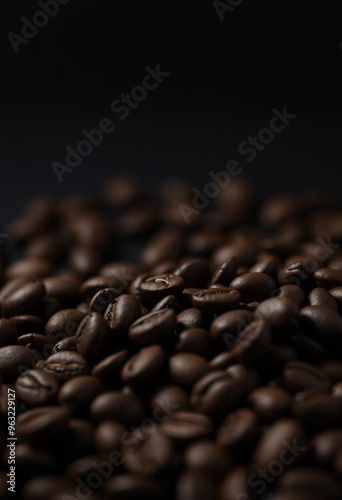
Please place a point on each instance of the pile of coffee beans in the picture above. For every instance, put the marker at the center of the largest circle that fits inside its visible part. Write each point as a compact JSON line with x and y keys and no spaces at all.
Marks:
{"x":156,"y":356}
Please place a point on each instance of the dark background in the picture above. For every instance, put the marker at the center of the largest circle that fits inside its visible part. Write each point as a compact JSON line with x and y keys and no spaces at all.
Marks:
{"x":225,"y":79}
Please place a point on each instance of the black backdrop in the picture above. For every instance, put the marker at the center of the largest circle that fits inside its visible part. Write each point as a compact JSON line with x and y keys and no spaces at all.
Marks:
{"x":225,"y":79}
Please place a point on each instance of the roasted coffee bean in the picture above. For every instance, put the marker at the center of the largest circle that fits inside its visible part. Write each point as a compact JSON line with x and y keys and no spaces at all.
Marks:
{"x":321,"y":297}
{"x":270,"y":403}
{"x":187,"y":368}
{"x":67,"y":344}
{"x":121,"y":313}
{"x":114,"y":405}
{"x":322,"y":323}
{"x":238,"y":430}
{"x":66,"y":365}
{"x":167,"y":399}
{"x":317,"y":410}
{"x":168,"y":302}
{"x":64,"y":287}
{"x":15,"y":359}
{"x":282,"y":315}
{"x":84,"y":262}
{"x":337,"y":294}
{"x":78,"y":392}
{"x":102,"y":299}
{"x":299,"y":376}
{"x":29,"y":268}
{"x":144,"y":367}
{"x":278,"y":441}
{"x":63,"y":324}
{"x":197,"y":341}
{"x":27,"y":323}
{"x":216,"y":300}
{"x":332,"y":368}
{"x":299,"y":272}
{"x":267,"y":265}
{"x":165,"y":245}
{"x":24,"y":299}
{"x":158,"y":287}
{"x":108,"y":436}
{"x":132,"y":486}
{"x":254,"y":286}
{"x":190,"y":318}
{"x":337,"y":389}
{"x":292,"y":292}
{"x":156,"y":327}
{"x":192,"y":485}
{"x":97,"y":283}
{"x":37,"y":387}
{"x":8,"y":332}
{"x":216,"y":393}
{"x":187,"y":426}
{"x":194,"y":272}
{"x":225,"y":273}
{"x":253,"y":341}
{"x":42,"y":487}
{"x":326,"y":446}
{"x":226,"y":327}
{"x":109,"y":367}
{"x":317,"y":483}
{"x":328,"y":278}
{"x":40,"y":423}
{"x":235,"y":483}
{"x":91,"y":335}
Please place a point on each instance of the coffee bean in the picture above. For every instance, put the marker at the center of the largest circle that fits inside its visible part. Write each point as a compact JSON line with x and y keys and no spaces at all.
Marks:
{"x":121,"y":313}
{"x":225,"y":273}
{"x":158,"y":287}
{"x":40,"y":423}
{"x":253,"y":286}
{"x":282,"y":315}
{"x":78,"y":392}
{"x":63,"y":324}
{"x":15,"y":359}
{"x":67,"y":344}
{"x":337,"y":294}
{"x":299,"y":376}
{"x":27,"y":323}
{"x":114,"y":405}
{"x":131,"y":486}
{"x":167,"y":399}
{"x":155,"y":327}
{"x":317,"y":483}
{"x":322,"y":323}
{"x":109,"y":367}
{"x":326,"y":446}
{"x":187,"y":368}
{"x":194,"y":272}
{"x":270,"y":403}
{"x":108,"y":436}
{"x":66,"y":365}
{"x":267,"y":265}
{"x":144,"y":366}
{"x":42,"y":487}
{"x":97,"y":283}
{"x":321,"y":297}
{"x":91,"y":335}
{"x":253,"y":341}
{"x":165,"y":245}
{"x":190,"y":318}
{"x":102,"y":299}
{"x":24,"y":299}
{"x":327,"y":278}
{"x":197,"y":341}
{"x":292,"y":292}
{"x":29,"y":268}
{"x":36,"y":387}
{"x":64,"y":287}
{"x":187,"y":426}
{"x":317,"y":410}
{"x":84,"y":262}
{"x":226,"y":327}
{"x":192,"y":485}
{"x":236,"y":483}
{"x":238,"y":430}
{"x":168,"y":302}
{"x":216,"y":301}
{"x":8,"y":332}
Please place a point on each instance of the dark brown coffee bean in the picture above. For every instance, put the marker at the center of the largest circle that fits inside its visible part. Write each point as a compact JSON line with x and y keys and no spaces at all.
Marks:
{"x":322,"y":323}
{"x":254,"y":286}
{"x":268,"y":265}
{"x":328,"y":278}
{"x":282,"y":315}
{"x":168,"y":302}
{"x":194,"y":272}
{"x":326,"y":446}
{"x":40,"y":423}
{"x":121,"y":313}
{"x":144,"y":366}
{"x":42,"y":487}
{"x":36,"y":387}
{"x":158,"y":287}
{"x":299,"y":376}
{"x":64,"y":287}
{"x":187,"y":426}
{"x":247,"y":377}
{"x":84,"y":262}
{"x":321,"y":297}
{"x":97,"y":283}
{"x":78,"y":392}
{"x":152,"y":328}
{"x":236,"y":483}
{"x":238,"y":430}
{"x":292,"y":292}
{"x":165,"y":245}
{"x":168,"y":399}
{"x":108,"y":436}
{"x":110,"y":367}
{"x":192,"y":485}
{"x":270,"y":403}
{"x":24,"y":299}
{"x":187,"y":368}
{"x":63,"y":324}
{"x":196,"y":340}
{"x":317,"y":410}
{"x":190,"y":318}
{"x":225,"y":273}
{"x":27,"y":323}
{"x":8,"y":332}
{"x":216,"y":393}
{"x":216,"y":300}
{"x":317,"y":483}
{"x":15,"y":359}
{"x":226,"y":327}
{"x":149,"y":454}
{"x":114,"y":405}
{"x":102,"y":299}
{"x":222,"y":361}
{"x":133,"y":486}
{"x":91,"y":335}
{"x":66,"y":365}
{"x":284,"y":438}
{"x":337,"y":390}
{"x":32,"y":268}
{"x":253,"y":341}
{"x":337,"y":294}
{"x":67,"y":344}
